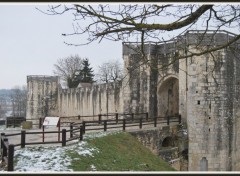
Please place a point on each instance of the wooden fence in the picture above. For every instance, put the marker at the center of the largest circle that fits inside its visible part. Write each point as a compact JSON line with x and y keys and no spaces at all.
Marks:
{"x":2,"y":122}
{"x":110,"y":116}
{"x":14,"y":121}
{"x":7,"y":150}
{"x":17,"y":121}
{"x":77,"y":130}
{"x":124,"y":124}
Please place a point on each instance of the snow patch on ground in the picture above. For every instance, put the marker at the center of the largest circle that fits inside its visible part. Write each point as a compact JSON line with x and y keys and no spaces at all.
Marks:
{"x":3,"y":128}
{"x":42,"y":159}
{"x":99,"y":134}
{"x":54,"y":158}
{"x":93,"y":168}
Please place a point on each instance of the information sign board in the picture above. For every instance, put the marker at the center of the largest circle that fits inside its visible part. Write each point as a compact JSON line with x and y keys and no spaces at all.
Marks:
{"x":51,"y":121}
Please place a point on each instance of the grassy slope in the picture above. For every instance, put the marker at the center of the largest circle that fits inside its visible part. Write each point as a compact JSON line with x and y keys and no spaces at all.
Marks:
{"x":119,"y":152}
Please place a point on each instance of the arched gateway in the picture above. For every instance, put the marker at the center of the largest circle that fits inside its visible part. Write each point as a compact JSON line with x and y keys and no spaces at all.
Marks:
{"x":168,"y":97}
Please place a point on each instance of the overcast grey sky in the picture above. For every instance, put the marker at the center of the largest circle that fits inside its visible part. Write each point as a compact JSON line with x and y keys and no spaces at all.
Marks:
{"x":31,"y":43}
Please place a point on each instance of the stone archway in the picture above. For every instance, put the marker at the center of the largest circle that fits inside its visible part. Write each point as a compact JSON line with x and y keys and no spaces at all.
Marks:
{"x":168,"y":97}
{"x":168,"y":142}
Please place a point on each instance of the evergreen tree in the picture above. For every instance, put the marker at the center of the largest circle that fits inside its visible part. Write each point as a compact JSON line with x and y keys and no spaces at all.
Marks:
{"x":86,"y":73}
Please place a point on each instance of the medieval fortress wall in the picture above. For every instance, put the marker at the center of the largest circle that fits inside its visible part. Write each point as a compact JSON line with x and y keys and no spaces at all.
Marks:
{"x":204,"y":89}
{"x":47,"y":98}
{"x":93,"y":100}
{"x":212,"y":93}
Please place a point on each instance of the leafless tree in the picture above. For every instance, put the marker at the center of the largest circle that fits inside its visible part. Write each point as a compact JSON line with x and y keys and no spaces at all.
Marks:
{"x":2,"y":112}
{"x":110,"y":71}
{"x":19,"y":101}
{"x":68,"y":68}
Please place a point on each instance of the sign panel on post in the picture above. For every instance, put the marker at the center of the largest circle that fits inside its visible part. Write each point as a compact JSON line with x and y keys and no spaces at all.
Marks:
{"x":51,"y":121}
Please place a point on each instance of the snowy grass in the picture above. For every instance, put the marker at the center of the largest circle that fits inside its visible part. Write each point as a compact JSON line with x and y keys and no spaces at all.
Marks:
{"x":4,"y":128}
{"x":41,"y":159}
{"x":54,"y":158}
{"x":92,"y":154}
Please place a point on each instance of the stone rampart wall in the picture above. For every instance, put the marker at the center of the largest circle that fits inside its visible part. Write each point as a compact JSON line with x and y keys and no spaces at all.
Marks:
{"x":92,"y":100}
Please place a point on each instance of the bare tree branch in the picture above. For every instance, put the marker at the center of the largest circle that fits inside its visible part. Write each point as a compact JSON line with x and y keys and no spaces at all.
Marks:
{"x":148,"y":22}
{"x":110,"y":71}
{"x":67,"y":68}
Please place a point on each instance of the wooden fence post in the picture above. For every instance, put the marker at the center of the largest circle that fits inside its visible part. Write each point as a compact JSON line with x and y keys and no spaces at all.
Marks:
{"x":155,"y":121}
{"x":99,"y":118}
{"x":6,"y":122}
{"x":14,"y":121}
{"x":147,"y":116}
{"x":2,"y":134}
{"x":59,"y":126}
{"x":116,"y":117}
{"x":84,"y":127}
{"x":4,"y":153}
{"x":81,"y":133}
{"x":168,"y":120}
{"x":10,"y":157}
{"x":105,"y":125}
{"x":43,"y":136}
{"x":40,"y":123}
{"x":140,"y":123}
{"x":124,"y":124}
{"x":179,"y":119}
{"x":42,"y":120}
{"x":71,"y":130}
{"x":132,"y":116}
{"x":23,"y":138}
{"x":63,"y":137}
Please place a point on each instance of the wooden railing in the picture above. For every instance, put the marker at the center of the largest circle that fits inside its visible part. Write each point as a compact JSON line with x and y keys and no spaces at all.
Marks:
{"x":17,"y":121}
{"x":7,"y":150}
{"x":125,"y":123}
{"x":77,"y":130}
{"x":99,"y":117}
{"x":14,"y":121}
